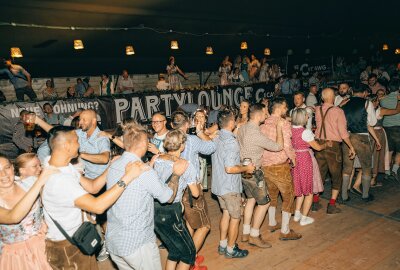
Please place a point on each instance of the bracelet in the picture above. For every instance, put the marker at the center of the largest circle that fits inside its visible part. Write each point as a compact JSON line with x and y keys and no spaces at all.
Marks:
{"x":112,"y":137}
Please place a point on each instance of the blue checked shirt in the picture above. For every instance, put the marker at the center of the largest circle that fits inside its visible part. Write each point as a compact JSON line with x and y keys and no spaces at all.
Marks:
{"x":130,"y":221}
{"x":93,"y":145}
{"x":194,"y":147}
{"x":164,"y":169}
{"x":226,"y":155}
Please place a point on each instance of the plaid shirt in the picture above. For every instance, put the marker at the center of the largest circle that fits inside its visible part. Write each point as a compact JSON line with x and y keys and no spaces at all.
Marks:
{"x":130,"y":221}
{"x":253,"y":143}
{"x":269,"y":130}
{"x":95,"y":144}
{"x":194,"y":147}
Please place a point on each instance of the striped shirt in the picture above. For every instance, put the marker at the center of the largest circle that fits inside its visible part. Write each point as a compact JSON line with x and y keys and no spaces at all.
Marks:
{"x":95,"y":144}
{"x":253,"y":143}
{"x":194,"y":147}
{"x":164,"y":169}
{"x":130,"y":221}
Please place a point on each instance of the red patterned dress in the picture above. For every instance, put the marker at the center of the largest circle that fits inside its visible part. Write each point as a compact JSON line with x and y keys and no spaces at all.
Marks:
{"x":302,"y":173}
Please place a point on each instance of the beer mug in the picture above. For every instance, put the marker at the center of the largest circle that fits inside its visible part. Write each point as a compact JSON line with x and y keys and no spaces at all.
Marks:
{"x":247,"y":161}
{"x":29,"y":121}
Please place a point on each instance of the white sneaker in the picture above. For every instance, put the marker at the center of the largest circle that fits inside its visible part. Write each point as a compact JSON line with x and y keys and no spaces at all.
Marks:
{"x":297,"y":216}
{"x":306,"y":220}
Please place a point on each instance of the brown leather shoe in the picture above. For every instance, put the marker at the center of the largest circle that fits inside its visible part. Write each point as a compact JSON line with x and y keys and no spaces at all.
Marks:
{"x":332,"y":209}
{"x":274,"y":228}
{"x":292,"y":235}
{"x":245,"y":237}
{"x":259,"y":242}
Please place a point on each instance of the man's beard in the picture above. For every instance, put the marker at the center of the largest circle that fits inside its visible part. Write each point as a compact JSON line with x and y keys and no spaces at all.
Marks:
{"x":342,"y":94}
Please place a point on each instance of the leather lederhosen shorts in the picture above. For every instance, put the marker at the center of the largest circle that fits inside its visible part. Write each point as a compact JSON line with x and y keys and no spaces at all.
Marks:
{"x":196,"y":210}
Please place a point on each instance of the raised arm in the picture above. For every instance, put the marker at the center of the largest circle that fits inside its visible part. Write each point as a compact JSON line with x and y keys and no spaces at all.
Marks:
{"x":21,"y":209}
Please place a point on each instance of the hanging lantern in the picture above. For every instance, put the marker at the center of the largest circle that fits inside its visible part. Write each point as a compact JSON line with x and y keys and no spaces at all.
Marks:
{"x":397,"y":51}
{"x":78,"y":44}
{"x":129,"y":50}
{"x":209,"y":50}
{"x":267,"y":51}
{"x":290,"y":52}
{"x":243,"y":45}
{"x":174,"y":45}
{"x":16,"y":52}
{"x":385,"y":47}
{"x":307,"y":51}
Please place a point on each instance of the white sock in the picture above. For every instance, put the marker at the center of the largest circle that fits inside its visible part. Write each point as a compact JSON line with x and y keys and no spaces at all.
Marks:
{"x":254,"y":232}
{"x":395,"y":168}
{"x":246,"y":228}
{"x":297,"y":213}
{"x":223,"y":243}
{"x":271,"y":216}
{"x":285,"y":222}
{"x":230,"y":249}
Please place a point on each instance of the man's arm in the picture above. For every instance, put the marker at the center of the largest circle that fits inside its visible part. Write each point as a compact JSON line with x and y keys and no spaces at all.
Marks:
{"x":93,"y":186}
{"x":98,"y":205}
{"x":205,"y":147}
{"x":43,"y":124}
{"x":101,"y":158}
{"x":352,"y":152}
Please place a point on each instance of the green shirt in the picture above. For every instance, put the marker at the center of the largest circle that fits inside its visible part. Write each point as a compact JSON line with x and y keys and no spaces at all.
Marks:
{"x":390,"y":102}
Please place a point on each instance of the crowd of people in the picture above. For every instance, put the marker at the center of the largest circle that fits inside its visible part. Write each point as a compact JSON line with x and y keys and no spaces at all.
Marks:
{"x":140,"y":184}
{"x":243,"y":69}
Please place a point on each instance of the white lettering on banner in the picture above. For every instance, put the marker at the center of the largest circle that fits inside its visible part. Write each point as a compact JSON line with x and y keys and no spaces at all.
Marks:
{"x":121,"y":105}
{"x":227,"y":96}
{"x":137,"y":108}
{"x":236,"y":99}
{"x":258,"y":93}
{"x":206,"y":97}
{"x":215,"y":100}
{"x":247,"y":92}
{"x":190,"y":97}
{"x":167,"y":99}
{"x":152,"y":103}
{"x":180,"y":100}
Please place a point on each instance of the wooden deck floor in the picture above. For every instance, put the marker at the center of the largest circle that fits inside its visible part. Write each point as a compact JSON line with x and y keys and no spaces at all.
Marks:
{"x":363,"y":236}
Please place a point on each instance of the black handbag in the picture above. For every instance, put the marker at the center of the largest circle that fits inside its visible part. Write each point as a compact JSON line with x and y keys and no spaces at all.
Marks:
{"x":86,"y":238}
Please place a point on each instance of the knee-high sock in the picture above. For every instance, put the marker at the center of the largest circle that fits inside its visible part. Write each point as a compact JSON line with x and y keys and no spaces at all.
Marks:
{"x":285,"y":222}
{"x":345,"y":184}
{"x":271,"y":215}
{"x":366,"y":183}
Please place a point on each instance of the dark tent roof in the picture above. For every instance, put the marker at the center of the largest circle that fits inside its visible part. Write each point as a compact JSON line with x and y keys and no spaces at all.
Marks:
{"x":326,"y":27}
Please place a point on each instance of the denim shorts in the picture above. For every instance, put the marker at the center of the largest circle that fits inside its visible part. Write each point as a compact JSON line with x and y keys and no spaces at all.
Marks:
{"x":172,"y":231}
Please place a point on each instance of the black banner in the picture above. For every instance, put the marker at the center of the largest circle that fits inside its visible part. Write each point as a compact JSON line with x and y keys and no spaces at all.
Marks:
{"x":140,"y":106}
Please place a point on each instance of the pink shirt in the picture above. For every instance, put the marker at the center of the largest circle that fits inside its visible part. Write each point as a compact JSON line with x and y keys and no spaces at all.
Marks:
{"x":335,"y":123}
{"x":269,"y":129}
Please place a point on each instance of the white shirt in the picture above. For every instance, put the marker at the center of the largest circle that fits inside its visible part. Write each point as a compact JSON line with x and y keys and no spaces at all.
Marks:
{"x":311,"y":100}
{"x":158,"y":141}
{"x":371,"y":114}
{"x":59,"y":195}
{"x":122,"y":82}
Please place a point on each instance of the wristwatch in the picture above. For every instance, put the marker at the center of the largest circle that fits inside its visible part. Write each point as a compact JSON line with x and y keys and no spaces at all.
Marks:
{"x":121,"y":183}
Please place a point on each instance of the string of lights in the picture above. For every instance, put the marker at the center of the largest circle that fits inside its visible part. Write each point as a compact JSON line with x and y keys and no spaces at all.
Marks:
{"x":166,"y":31}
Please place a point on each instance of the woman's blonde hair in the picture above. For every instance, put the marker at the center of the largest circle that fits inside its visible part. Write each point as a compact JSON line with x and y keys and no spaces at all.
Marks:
{"x":174,"y":140}
{"x":299,"y":117}
{"x":22,"y":160}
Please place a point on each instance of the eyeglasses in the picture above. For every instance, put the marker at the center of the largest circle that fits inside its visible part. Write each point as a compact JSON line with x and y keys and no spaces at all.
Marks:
{"x":157,"y":122}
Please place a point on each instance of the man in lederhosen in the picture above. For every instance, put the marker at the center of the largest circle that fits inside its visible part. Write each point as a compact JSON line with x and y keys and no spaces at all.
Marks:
{"x":332,"y":130}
